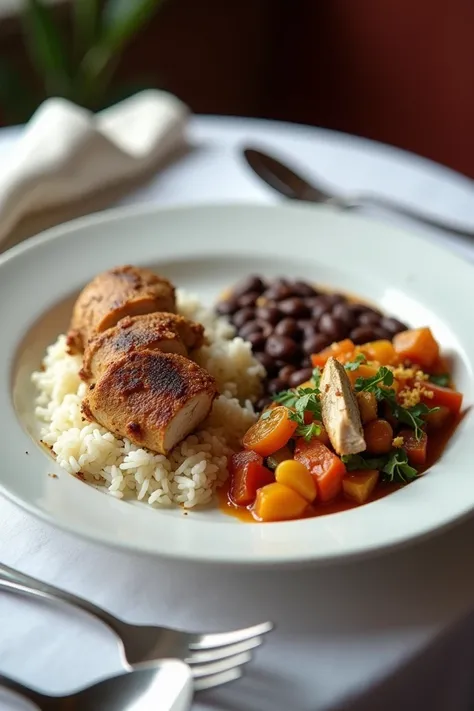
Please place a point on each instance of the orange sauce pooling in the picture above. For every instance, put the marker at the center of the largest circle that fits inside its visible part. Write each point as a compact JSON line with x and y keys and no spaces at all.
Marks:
{"x":437,"y":441}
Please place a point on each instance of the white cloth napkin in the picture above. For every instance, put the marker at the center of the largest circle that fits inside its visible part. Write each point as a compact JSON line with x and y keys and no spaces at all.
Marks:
{"x":67,"y":154}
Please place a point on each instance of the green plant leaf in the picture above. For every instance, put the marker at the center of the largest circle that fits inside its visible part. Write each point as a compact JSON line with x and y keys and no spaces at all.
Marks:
{"x":121,"y":19}
{"x":46,"y":47}
{"x":86,"y":24}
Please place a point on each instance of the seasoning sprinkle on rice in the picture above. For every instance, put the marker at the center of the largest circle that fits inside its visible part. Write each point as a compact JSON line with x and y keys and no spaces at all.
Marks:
{"x":190,"y":473}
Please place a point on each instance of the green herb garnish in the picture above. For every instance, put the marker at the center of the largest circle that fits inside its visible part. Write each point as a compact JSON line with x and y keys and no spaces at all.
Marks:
{"x":383,"y":375}
{"x":354,"y":364}
{"x":443,"y":379}
{"x":410,"y":416}
{"x":300,"y":401}
{"x":393,"y":467}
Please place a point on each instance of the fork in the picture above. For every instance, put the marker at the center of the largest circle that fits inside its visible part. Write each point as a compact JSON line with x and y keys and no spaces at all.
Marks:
{"x":145,"y":643}
{"x":168,"y":685}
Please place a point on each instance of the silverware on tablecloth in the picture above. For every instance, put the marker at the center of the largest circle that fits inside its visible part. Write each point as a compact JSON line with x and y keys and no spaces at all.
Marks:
{"x":145,"y":643}
{"x":292,"y":185}
{"x":167,"y":686}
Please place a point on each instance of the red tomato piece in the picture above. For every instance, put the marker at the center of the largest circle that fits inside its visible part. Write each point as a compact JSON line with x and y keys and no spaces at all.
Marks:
{"x":442,"y":397}
{"x":415,"y":448}
{"x":247,"y":476}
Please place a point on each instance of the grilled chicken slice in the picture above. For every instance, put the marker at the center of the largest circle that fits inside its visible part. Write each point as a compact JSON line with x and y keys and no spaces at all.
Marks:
{"x":112,"y":295}
{"x":155,"y":399}
{"x":164,"y":332}
{"x":340,"y":411}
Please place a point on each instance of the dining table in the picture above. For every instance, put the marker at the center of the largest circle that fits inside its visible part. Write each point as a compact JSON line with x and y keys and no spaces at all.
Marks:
{"x":394,"y":630}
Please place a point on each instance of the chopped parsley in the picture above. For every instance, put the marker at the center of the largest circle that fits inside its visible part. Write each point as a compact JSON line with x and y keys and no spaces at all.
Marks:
{"x":302,"y":400}
{"x":442,"y":379}
{"x":393,"y":467}
{"x":410,"y":416}
{"x":354,"y":364}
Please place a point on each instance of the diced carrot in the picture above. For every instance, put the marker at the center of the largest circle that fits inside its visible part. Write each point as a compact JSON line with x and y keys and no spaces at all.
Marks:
{"x":417,"y":345}
{"x":271,"y":432}
{"x":363,"y":371}
{"x":247,"y":476}
{"x":277,"y":502}
{"x":326,"y":468}
{"x":415,"y":448}
{"x":381,"y":351}
{"x":358,"y":485}
{"x":338,"y":350}
{"x":441,"y":397}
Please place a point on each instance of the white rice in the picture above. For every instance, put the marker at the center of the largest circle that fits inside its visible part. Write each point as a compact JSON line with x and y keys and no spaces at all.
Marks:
{"x":190,"y":474}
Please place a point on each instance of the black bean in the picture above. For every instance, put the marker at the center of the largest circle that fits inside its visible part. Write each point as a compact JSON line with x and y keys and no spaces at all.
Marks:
{"x":392,"y":325}
{"x":281,"y":347}
{"x":318,"y":310}
{"x":250,"y":327}
{"x":257,"y":341}
{"x":287,"y":327}
{"x":316,"y":343}
{"x":382,"y":334}
{"x":271,"y":314}
{"x":333,"y":327}
{"x":277,"y":292}
{"x":306,"y":362}
{"x":276,"y":386}
{"x":343,"y":312}
{"x":363,"y":334}
{"x":242,"y":316}
{"x":333,"y":299}
{"x":301,"y":288}
{"x":308,"y":327}
{"x":250,"y":283}
{"x":248,"y":299}
{"x":286,"y":372}
{"x":266,"y":329}
{"x":357,"y":309}
{"x":300,"y":376}
{"x":267,"y":362}
{"x":369,"y":318}
{"x":294,"y":307}
{"x":227,"y":307}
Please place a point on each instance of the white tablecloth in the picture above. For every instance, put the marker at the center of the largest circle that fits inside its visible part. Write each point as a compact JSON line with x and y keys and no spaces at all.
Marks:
{"x":360,"y":636}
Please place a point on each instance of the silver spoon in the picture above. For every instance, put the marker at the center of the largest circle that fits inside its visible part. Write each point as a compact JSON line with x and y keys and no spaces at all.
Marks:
{"x":288,"y":183}
{"x":167,"y":686}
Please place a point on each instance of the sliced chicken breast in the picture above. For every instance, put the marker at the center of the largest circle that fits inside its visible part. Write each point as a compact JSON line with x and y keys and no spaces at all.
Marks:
{"x":155,"y":399}
{"x":113,"y":295}
{"x":164,"y":332}
{"x":339,"y":409}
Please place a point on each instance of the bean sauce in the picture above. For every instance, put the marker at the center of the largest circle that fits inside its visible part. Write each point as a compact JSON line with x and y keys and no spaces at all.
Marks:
{"x":287,"y":321}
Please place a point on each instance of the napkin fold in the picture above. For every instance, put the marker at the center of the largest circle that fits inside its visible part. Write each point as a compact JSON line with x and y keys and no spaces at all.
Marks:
{"x":67,"y":154}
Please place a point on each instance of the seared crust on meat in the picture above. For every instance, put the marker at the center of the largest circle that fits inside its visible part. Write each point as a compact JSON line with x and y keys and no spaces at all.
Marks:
{"x":340,"y":411}
{"x":113,"y":295}
{"x":155,"y":399}
{"x":165,"y":332}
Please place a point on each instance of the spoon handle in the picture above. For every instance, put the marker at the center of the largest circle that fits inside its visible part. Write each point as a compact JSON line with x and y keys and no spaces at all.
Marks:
{"x":413,"y":213}
{"x":25,"y":692}
{"x":11,"y":579}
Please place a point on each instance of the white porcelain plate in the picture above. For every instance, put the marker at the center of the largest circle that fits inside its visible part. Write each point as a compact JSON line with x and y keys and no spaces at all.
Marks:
{"x":204,"y":249}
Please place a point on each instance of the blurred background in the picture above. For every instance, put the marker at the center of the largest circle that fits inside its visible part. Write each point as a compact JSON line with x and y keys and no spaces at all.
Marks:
{"x":397,"y":71}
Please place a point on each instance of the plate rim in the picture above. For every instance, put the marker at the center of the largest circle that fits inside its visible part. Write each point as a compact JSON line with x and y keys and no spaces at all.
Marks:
{"x":63,"y":231}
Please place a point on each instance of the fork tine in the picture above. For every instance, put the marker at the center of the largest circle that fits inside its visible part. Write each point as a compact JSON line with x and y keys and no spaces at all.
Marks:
{"x":222,"y":639}
{"x":213,"y":680}
{"x":214,"y":654}
{"x":211,"y":668}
